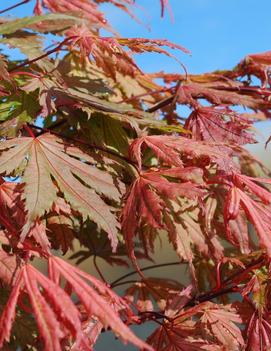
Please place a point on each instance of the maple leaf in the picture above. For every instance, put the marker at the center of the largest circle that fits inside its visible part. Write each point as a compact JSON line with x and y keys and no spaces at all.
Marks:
{"x":219,"y":124}
{"x":47,"y":94}
{"x":257,"y":65}
{"x":216,"y":89}
{"x":189,"y":236}
{"x":60,"y":232}
{"x":144,"y":292}
{"x":8,"y":267}
{"x":237,"y":232}
{"x":207,"y":326}
{"x":258,"y":332}
{"x":250,"y":184}
{"x":84,"y":8}
{"x":178,"y":337}
{"x":170,"y":149}
{"x":183,"y":233}
{"x":257,"y":290}
{"x":28,"y":43}
{"x":15,"y":112}
{"x":54,"y":306}
{"x":217,"y":94}
{"x":50,"y":156}
{"x":257,"y":213}
{"x":13,"y":216}
{"x":109,"y":52}
{"x":4,"y":74}
{"x":220,"y":321}
{"x":11,"y":207}
{"x":162,"y":151}
{"x":147,"y":199}
{"x":213,"y":322}
{"x":179,"y":301}
{"x":30,"y":279}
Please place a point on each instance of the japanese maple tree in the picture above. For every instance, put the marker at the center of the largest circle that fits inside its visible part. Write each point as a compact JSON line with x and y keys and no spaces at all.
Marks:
{"x":94,"y":151}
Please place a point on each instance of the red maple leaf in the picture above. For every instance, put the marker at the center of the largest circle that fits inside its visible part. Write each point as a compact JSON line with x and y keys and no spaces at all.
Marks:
{"x":147,"y":199}
{"x":256,"y":212}
{"x":53,"y":307}
{"x":218,"y":124}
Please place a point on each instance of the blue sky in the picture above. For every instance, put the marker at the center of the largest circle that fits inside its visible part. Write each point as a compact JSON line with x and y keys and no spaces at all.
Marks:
{"x":219,"y":33}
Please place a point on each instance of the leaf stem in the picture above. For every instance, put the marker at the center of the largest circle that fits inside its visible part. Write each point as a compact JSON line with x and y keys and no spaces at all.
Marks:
{"x":29,"y":131}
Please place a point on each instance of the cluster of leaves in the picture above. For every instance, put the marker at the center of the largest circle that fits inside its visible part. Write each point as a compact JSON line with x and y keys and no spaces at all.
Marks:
{"x":94,"y":150}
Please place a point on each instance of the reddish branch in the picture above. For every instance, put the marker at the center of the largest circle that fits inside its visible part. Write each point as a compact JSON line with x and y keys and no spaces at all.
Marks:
{"x":226,"y":287}
{"x":47,"y":53}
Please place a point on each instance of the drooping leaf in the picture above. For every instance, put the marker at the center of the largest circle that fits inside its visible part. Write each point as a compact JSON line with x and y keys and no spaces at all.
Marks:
{"x":178,"y":337}
{"x":258,"y":214}
{"x":8,"y":267}
{"x":218,"y":125}
{"x":14,"y":25}
{"x":54,"y":305}
{"x":259,"y":332}
{"x":51,"y":156}
{"x":144,"y":293}
{"x":170,"y":149}
{"x":148,"y":196}
{"x":220,"y":321}
{"x":14,"y":113}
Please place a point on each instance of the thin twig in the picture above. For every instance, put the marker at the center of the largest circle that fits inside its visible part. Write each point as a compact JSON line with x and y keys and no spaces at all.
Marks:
{"x":163,"y":103}
{"x":125,"y":282}
{"x":113,"y":284}
{"x":248,"y":268}
{"x":98,"y":269}
{"x":47,"y":53}
{"x":14,"y":6}
{"x":155,"y":314}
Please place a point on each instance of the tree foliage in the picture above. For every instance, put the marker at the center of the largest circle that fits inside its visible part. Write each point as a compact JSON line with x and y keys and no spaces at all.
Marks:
{"x":93,"y":150}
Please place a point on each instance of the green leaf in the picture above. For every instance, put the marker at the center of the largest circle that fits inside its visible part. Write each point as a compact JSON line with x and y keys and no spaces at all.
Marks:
{"x":107,"y":132}
{"x":30,"y":44}
{"x":14,"y":113}
{"x":14,"y":25}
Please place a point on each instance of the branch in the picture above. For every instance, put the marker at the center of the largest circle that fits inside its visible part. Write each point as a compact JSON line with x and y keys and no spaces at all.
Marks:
{"x":115,"y":282}
{"x":210,"y":295}
{"x":249,"y":267}
{"x":14,"y":6}
{"x":98,"y":270}
{"x":47,"y":53}
{"x":163,"y":103}
{"x":226,"y":286}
